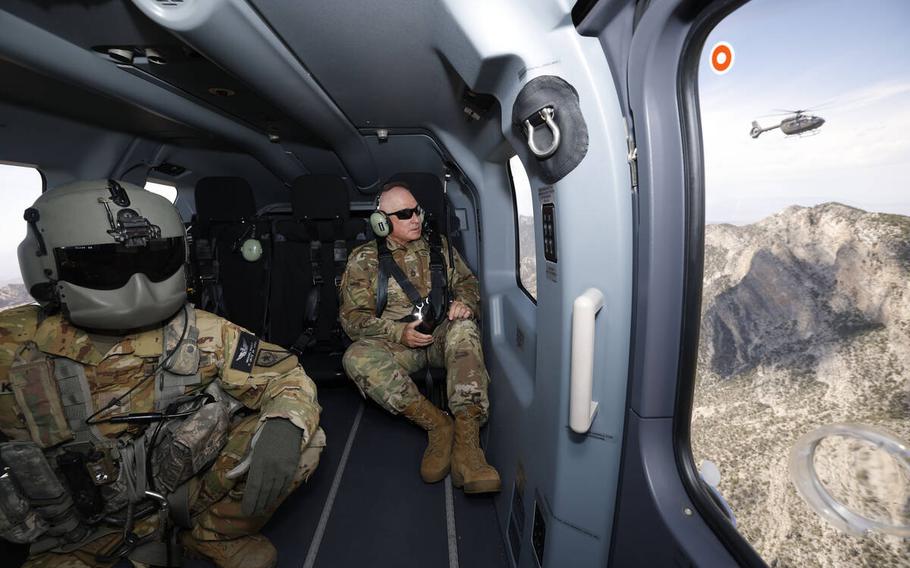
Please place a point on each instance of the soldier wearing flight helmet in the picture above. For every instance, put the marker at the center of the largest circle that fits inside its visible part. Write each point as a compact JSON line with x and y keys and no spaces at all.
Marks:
{"x":126,"y":414}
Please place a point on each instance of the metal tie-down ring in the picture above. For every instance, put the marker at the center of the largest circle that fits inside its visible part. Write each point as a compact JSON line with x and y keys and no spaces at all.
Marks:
{"x":546,"y":115}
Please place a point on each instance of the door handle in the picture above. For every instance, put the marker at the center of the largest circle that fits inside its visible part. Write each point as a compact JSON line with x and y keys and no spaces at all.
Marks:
{"x":582,"y":407}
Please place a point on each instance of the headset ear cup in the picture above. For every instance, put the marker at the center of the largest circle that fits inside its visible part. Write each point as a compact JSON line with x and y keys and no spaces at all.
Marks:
{"x":379,"y":222}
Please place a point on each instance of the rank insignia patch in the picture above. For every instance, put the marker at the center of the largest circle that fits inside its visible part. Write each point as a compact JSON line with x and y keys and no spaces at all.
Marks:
{"x":271,"y":357}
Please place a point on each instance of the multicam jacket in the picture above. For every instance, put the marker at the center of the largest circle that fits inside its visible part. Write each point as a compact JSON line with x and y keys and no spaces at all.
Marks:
{"x":359,"y":285}
{"x":262,"y":376}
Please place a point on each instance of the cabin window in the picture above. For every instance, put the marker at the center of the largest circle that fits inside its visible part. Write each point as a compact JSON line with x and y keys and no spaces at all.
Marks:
{"x":804,"y":348}
{"x":524,"y":228}
{"x":22,"y":185}
{"x":166,"y":190}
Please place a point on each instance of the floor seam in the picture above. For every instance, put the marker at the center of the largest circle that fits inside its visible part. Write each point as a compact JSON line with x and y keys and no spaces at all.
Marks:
{"x":451,"y":529}
{"x":333,"y":492}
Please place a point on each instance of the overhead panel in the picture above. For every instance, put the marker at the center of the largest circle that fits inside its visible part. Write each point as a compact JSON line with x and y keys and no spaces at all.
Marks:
{"x":386,"y":64}
{"x":255,"y":54}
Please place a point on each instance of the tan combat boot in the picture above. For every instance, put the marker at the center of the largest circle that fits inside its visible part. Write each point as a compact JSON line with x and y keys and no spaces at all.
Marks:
{"x":252,"y":551}
{"x":438,"y":456}
{"x":469,"y":466}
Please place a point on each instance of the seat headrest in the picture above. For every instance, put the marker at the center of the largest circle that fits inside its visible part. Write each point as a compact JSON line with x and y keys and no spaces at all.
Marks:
{"x":426,"y":188}
{"x":320,"y":197}
{"x":224,"y":199}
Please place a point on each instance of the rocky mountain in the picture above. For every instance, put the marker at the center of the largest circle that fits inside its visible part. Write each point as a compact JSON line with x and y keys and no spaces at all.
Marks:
{"x":14,"y":295}
{"x":806,"y":322}
{"x":528,"y":261}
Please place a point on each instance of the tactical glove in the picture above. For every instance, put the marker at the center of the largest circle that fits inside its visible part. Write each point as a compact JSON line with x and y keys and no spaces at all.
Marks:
{"x":273,"y":463}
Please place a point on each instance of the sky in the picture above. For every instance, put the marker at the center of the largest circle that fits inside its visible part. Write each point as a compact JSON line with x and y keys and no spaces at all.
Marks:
{"x":852,"y":61}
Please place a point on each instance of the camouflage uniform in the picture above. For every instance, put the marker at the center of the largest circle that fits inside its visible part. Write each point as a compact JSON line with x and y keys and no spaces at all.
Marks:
{"x":377,"y":361}
{"x":276,"y":387}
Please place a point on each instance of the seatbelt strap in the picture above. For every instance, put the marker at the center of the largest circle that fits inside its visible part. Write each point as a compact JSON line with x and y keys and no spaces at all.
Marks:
{"x":438,"y":280}
{"x":327,"y":314}
{"x":387,"y":267}
{"x":382,"y":281}
{"x":340,"y":250}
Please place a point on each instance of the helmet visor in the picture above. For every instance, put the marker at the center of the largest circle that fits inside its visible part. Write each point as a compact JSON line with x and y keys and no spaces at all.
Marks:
{"x":110,"y":266}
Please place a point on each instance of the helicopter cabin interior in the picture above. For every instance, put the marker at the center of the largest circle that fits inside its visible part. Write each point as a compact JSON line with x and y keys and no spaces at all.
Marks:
{"x":278,"y":122}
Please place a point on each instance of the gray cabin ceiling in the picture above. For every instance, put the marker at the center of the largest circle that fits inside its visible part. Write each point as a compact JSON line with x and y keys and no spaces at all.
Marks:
{"x":384,"y":63}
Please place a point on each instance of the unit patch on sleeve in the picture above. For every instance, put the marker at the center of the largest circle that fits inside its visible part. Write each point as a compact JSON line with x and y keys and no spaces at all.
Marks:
{"x":245,"y":354}
{"x":271,"y":357}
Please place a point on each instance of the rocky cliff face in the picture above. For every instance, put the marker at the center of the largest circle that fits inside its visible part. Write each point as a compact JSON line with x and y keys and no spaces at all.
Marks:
{"x":806,"y":322}
{"x":789,"y":289}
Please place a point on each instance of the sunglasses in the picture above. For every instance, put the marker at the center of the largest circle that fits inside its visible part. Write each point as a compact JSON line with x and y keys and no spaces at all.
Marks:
{"x":405,"y":214}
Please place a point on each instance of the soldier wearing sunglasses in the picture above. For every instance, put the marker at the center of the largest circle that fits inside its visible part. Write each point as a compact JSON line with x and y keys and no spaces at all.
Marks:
{"x":386,"y":350}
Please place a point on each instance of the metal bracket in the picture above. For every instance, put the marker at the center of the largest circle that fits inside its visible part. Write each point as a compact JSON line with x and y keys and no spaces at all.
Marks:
{"x":632,"y":156}
{"x":546,"y":115}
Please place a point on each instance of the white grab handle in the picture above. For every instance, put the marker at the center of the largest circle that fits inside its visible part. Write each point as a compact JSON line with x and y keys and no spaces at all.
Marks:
{"x":581,"y":405}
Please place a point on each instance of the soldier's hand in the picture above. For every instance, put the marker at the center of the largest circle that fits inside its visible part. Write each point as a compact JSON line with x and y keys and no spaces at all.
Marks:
{"x":413,"y":338}
{"x":273,"y":466}
{"x":458,"y":311}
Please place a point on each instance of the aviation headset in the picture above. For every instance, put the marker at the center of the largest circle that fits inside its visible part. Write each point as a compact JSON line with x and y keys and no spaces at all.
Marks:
{"x":379,"y":220}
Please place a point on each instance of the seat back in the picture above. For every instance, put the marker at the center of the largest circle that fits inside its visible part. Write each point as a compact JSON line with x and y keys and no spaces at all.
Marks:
{"x":310,"y":254}
{"x":230,"y":286}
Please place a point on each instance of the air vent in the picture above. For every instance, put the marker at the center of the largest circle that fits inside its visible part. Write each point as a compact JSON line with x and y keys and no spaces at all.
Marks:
{"x":169,"y":3}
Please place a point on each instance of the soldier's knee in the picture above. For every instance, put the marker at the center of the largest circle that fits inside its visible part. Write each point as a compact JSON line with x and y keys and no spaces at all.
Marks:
{"x":461,"y":331}
{"x":358,"y":356}
{"x":464,"y":326}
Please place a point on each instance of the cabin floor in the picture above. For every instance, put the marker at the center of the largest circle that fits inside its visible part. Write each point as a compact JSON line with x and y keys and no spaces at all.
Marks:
{"x":366,"y":505}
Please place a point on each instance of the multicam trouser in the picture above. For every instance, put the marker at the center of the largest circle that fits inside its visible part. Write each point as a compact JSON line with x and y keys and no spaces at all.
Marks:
{"x":214,"y":500}
{"x":380,"y":368}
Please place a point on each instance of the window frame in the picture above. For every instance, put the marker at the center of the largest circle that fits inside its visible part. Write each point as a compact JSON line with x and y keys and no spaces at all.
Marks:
{"x":693,"y":279}
{"x":41,"y":192}
{"x":30,"y":166}
{"x":157,"y":181}
{"x":517,"y":266}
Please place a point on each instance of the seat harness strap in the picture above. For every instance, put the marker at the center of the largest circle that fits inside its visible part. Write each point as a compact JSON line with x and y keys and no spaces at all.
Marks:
{"x":388,"y":267}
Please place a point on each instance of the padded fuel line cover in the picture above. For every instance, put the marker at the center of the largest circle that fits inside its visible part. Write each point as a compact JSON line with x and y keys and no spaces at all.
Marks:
{"x":551,"y":91}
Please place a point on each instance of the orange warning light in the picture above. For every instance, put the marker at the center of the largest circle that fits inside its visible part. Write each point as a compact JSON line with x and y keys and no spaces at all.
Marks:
{"x":721,"y":57}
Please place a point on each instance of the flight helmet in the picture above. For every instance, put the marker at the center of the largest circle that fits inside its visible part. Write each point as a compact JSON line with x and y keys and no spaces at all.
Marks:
{"x":109,"y":254}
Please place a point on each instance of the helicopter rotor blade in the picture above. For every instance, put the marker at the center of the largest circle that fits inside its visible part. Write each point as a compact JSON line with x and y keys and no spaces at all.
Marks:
{"x":775,"y":114}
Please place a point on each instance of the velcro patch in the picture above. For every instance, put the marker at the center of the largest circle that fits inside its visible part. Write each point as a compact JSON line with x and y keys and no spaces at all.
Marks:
{"x":245,"y":353}
{"x":271,"y":357}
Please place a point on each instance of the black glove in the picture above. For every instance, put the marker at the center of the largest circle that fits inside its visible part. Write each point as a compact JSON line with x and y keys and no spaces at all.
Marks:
{"x":272,"y":466}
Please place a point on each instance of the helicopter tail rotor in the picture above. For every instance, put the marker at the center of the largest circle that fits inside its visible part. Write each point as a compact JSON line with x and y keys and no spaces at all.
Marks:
{"x":756,"y":129}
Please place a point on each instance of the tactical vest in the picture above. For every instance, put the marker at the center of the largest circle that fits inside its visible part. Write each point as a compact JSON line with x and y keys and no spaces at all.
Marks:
{"x":45,"y":497}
